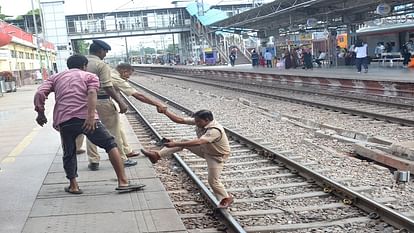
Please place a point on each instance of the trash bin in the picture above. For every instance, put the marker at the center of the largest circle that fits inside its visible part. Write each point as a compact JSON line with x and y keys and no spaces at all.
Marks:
{"x":2,"y":86}
{"x":10,"y":86}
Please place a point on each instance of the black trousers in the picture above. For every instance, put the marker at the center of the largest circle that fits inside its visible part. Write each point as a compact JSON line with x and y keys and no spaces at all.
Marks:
{"x":69,"y":130}
{"x":269,"y":63}
{"x":361,"y":62}
{"x":407,"y":58}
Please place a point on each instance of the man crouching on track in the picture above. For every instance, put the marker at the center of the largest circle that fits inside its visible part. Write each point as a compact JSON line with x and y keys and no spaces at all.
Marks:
{"x":211,"y":144}
{"x":74,"y":114}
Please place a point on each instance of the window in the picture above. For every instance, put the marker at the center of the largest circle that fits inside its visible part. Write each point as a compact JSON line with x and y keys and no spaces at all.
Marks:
{"x":32,"y":56}
{"x":13,"y":53}
{"x":21,"y":55}
{"x":27,"y":55}
{"x":62,"y":47}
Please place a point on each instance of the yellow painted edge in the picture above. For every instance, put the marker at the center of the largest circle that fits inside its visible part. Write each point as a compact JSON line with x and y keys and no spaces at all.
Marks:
{"x":11,"y":157}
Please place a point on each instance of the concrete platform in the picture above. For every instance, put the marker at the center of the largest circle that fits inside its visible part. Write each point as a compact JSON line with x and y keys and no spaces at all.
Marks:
{"x":390,"y":81}
{"x":32,"y":177}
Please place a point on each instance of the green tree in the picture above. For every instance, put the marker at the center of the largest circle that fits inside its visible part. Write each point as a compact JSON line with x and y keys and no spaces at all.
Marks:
{"x":148,"y":50}
{"x":171,"y":49}
{"x":80,"y":46}
{"x":3,"y":16}
{"x":36,"y":11}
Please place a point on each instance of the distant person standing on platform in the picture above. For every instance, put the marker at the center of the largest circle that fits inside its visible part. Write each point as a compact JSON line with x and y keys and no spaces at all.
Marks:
{"x":105,"y":107}
{"x":379,"y":50}
{"x":232,"y":58}
{"x":288,"y":60}
{"x":211,"y":144}
{"x":361,"y":51}
{"x":255,"y":58}
{"x":74,"y":114}
{"x":406,"y":51}
{"x":262,"y":61}
{"x":307,"y":59}
{"x":268,"y":57}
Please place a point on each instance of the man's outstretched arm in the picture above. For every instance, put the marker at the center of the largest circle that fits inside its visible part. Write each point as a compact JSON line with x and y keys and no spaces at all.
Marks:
{"x":40,"y":98}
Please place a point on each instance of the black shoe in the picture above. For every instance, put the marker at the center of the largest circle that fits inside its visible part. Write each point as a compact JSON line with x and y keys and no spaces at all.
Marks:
{"x":130,"y":163}
{"x":93,"y":166}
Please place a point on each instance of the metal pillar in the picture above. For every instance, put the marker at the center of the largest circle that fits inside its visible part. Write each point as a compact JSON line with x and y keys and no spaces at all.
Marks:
{"x":126,"y":50}
{"x":37,"y":36}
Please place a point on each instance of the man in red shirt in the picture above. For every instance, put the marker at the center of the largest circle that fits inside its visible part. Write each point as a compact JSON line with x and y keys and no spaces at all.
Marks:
{"x":74,"y":114}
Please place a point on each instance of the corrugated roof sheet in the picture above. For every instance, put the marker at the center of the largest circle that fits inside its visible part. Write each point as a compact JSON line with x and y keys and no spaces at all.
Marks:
{"x":210,"y":15}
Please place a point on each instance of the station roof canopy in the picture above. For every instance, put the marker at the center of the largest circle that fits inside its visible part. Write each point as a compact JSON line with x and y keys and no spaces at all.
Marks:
{"x":292,"y":13}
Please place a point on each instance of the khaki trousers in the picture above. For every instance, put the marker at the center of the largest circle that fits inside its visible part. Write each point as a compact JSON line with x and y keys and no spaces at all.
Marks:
{"x":214,"y":164}
{"x":125,"y":146}
{"x":109,"y":116}
{"x":79,"y":141}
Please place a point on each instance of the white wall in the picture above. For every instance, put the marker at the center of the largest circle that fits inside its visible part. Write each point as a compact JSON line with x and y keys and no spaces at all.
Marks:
{"x":55,"y":30}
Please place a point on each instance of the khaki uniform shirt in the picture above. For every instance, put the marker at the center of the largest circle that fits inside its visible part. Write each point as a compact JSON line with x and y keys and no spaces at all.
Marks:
{"x":102,"y":70}
{"x":215,"y":134}
{"x":121,"y":84}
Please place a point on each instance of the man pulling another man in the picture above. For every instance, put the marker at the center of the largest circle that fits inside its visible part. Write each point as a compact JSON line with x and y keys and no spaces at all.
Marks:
{"x":105,"y":107}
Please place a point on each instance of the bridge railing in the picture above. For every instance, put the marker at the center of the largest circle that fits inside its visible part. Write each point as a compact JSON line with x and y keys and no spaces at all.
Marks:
{"x":128,"y":21}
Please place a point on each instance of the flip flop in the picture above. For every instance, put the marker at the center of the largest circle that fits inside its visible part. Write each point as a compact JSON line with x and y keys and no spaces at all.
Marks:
{"x":130,"y":188}
{"x":67,"y":189}
{"x":132,"y":154}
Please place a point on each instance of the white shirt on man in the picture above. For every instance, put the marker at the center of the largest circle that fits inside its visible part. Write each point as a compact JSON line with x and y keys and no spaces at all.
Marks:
{"x":322,"y":56}
{"x":268,"y":56}
{"x":361,"y":52}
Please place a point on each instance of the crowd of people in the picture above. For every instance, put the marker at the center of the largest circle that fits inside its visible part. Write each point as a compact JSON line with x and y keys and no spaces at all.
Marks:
{"x":300,"y":57}
{"x":357,"y":55}
{"x":84,"y":106}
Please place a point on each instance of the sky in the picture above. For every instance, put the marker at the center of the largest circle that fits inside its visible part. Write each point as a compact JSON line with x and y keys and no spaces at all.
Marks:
{"x":88,"y":6}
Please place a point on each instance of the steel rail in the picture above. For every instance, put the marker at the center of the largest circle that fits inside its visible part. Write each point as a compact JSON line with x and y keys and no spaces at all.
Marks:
{"x":376,"y":116}
{"x":230,"y":222}
{"x":348,"y":195}
{"x":353,"y":98}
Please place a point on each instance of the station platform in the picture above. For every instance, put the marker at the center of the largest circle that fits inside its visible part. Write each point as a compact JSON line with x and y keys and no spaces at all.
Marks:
{"x":390,"y":81}
{"x":32,"y":180}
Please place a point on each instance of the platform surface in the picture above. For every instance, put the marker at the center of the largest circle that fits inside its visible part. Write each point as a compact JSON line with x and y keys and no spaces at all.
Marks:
{"x":32,"y":177}
{"x":376,"y":72}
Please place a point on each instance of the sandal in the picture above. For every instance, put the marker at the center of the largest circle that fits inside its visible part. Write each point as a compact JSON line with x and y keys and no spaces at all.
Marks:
{"x":67,"y":189}
{"x":132,"y":154}
{"x":130,"y":188}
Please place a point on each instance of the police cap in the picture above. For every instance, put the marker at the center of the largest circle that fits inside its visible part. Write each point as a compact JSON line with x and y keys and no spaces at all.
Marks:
{"x":102,"y":44}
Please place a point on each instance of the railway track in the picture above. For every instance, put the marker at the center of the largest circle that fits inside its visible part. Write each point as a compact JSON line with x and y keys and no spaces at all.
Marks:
{"x":399,"y":112}
{"x":274,"y":191}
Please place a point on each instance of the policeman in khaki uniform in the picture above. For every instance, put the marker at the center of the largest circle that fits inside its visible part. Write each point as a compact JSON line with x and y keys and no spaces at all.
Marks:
{"x":119,"y":77}
{"x":211,"y":144}
{"x":105,"y":107}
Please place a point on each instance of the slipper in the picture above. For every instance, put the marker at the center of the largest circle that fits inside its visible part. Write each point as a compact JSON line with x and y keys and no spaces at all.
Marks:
{"x":67,"y":189}
{"x":130,"y":188}
{"x":132,"y":154}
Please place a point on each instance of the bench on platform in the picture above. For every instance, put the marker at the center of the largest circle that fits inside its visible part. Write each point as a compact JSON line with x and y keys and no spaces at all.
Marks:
{"x":389,"y":57}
